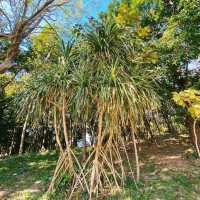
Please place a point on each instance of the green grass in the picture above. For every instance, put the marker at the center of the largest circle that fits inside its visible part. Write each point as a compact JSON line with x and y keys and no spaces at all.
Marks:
{"x":170,"y":185}
{"x":30,"y":171}
{"x":18,"y":174}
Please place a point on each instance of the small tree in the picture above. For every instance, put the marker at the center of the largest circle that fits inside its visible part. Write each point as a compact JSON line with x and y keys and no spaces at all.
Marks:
{"x":190,"y":99}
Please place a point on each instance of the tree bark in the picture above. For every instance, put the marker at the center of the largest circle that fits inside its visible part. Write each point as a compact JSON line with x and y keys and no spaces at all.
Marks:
{"x":196,"y":138}
{"x":84,"y":142}
{"x":66,"y":136}
{"x":136,"y":158}
{"x":23,"y":135}
{"x":189,"y":124}
{"x":95,"y":168}
{"x":23,"y":26}
{"x":57,"y":132}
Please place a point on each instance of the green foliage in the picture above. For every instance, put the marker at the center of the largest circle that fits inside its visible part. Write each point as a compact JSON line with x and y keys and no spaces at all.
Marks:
{"x":102,"y":72}
{"x":97,"y":75}
{"x":190,"y":154}
{"x":183,"y":28}
{"x":8,"y":122}
{"x":173,"y":29}
{"x":44,"y":50}
{"x":5,"y":79}
{"x":189,"y":99}
{"x":63,"y":182}
{"x":136,"y":12}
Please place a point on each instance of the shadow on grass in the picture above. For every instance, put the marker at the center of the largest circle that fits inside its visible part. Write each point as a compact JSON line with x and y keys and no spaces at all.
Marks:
{"x":27,"y":173}
{"x":168,"y":185}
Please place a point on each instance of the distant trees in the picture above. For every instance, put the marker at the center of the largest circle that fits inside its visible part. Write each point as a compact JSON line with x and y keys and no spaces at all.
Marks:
{"x":169,"y":30}
{"x":169,"y":27}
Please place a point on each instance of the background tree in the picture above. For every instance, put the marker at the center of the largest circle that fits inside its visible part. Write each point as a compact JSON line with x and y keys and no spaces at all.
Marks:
{"x":18,"y":20}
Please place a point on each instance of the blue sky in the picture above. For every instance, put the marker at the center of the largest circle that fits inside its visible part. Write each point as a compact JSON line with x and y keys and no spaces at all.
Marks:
{"x":101,"y":5}
{"x":80,"y":10}
{"x":93,"y":7}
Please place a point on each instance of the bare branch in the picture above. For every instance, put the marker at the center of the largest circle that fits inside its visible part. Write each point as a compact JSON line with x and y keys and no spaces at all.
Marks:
{"x":25,"y":8}
{"x":22,"y":25}
{"x":7,"y":18}
{"x":4,"y":35}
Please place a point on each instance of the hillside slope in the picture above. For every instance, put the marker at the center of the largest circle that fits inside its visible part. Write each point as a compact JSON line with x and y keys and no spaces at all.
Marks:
{"x":169,"y":171}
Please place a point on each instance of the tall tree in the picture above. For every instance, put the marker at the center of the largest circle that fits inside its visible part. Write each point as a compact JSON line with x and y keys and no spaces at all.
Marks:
{"x":19,"y":18}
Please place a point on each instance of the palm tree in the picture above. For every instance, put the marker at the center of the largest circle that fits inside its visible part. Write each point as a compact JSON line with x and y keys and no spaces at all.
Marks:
{"x":45,"y":93}
{"x":96,"y":81}
{"x":109,"y":87}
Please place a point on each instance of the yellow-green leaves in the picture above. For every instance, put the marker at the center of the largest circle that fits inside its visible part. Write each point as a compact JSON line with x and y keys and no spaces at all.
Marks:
{"x":168,"y":39}
{"x":113,"y":73}
{"x":5,"y":79}
{"x":194,"y":110}
{"x":45,"y":41}
{"x":12,"y":89}
{"x":189,"y":99}
{"x":178,"y":99}
{"x":127,"y":14}
{"x":143,"y":32}
{"x":45,"y":48}
{"x":11,"y":85}
{"x":132,"y":12}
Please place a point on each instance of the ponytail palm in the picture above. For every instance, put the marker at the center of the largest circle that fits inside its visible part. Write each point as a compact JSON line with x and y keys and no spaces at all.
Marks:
{"x":45,"y":92}
{"x":104,"y":41}
{"x":107,"y":86}
{"x":120,"y":100}
{"x":95,"y":81}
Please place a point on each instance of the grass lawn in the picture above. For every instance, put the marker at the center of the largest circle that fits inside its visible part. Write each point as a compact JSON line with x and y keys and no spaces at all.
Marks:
{"x":27,"y":176}
{"x":168,"y":184}
{"x":165,"y":175}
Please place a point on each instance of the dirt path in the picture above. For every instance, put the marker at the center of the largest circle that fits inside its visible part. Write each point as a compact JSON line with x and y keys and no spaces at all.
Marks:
{"x":166,"y":152}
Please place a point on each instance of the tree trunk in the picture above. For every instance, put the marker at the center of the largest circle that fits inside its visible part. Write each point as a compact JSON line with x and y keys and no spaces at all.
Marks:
{"x":95,"y":169}
{"x":5,"y":65}
{"x":12,"y":52}
{"x":57,"y":132}
{"x":169,"y":123}
{"x":65,"y":124}
{"x":84,"y":142}
{"x":189,"y":124}
{"x":196,"y":138}
{"x":66,"y":136}
{"x":136,"y":158}
{"x":12,"y":143}
{"x":23,"y":26}
{"x":23,"y":134}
